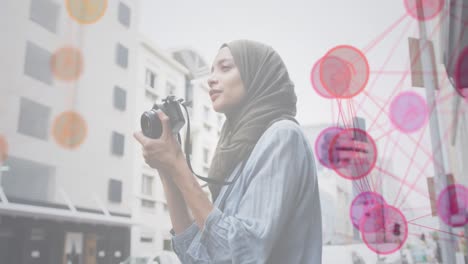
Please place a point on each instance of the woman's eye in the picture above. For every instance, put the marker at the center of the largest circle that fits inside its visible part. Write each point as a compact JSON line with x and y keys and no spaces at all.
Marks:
{"x":224,"y":68}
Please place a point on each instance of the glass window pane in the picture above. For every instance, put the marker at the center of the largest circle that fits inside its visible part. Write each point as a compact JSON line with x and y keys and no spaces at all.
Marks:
{"x":28,"y":180}
{"x":118,"y":145}
{"x":45,"y":13}
{"x":37,"y":63}
{"x":120,"y":98}
{"x":122,"y":56}
{"x":115,"y":190}
{"x":124,"y":14}
{"x":33,"y":119}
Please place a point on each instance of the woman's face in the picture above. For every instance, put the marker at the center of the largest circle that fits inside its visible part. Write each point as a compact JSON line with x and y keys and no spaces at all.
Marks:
{"x":226,"y":87}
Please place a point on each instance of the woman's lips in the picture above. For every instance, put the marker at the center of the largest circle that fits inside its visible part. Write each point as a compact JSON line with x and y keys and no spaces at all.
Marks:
{"x":214,"y":96}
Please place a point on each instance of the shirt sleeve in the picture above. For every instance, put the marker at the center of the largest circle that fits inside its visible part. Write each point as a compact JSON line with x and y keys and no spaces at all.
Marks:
{"x":277,"y":173}
{"x":182,"y":241}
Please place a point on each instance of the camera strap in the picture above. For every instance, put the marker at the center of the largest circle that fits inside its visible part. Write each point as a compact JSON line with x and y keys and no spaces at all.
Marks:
{"x":187,"y":157}
{"x":206,"y":179}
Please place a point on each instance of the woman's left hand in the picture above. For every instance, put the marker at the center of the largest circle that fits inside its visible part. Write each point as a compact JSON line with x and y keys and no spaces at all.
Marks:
{"x":163,"y":153}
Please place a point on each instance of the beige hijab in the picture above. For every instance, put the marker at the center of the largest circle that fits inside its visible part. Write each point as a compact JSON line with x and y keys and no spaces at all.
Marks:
{"x":270,"y":97}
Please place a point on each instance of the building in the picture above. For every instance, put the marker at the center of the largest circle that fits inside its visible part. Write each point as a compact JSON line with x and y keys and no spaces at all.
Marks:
{"x":336,"y":195}
{"x":161,"y":73}
{"x":158,"y":76}
{"x":449,"y":134}
{"x":66,"y":104}
{"x":206,"y":124}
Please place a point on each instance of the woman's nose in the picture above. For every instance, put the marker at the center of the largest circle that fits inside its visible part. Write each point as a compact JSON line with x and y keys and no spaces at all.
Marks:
{"x":211,"y":81}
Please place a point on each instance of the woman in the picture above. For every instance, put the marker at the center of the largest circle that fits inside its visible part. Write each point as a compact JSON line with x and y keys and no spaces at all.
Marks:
{"x":270,"y":211}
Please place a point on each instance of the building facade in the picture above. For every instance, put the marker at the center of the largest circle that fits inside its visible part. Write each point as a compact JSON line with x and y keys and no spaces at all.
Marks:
{"x":205,"y":123}
{"x":68,"y":96}
{"x":336,"y":195}
{"x":158,"y":76}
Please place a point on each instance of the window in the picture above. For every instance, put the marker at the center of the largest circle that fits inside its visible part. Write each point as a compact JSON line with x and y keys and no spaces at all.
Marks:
{"x":146,"y":238}
{"x":28,"y":180}
{"x":122,"y":56}
{"x":147,"y":183}
{"x":115,"y":191}
{"x":150,"y":80}
{"x":33,"y":119}
{"x":124,"y":14}
{"x":148,"y":203}
{"x":37,"y":63}
{"x":151,"y":96}
{"x":167,"y":245}
{"x":44,"y":13}
{"x":170,"y":89}
{"x":118,"y":145}
{"x":120,"y":98}
{"x":206,"y":153}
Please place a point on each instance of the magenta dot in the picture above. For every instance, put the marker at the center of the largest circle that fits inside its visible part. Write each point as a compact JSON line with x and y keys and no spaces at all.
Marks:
{"x":355,"y":158}
{"x":461,"y":74}
{"x":361,"y":206}
{"x":322,"y":145}
{"x":317,"y":83}
{"x":409,"y":112}
{"x":452,"y":205}
{"x":431,"y":8}
{"x":391,"y":229}
{"x":344,"y":72}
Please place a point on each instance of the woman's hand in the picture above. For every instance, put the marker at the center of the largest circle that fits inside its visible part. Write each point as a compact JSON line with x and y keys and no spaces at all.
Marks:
{"x":163,"y":153}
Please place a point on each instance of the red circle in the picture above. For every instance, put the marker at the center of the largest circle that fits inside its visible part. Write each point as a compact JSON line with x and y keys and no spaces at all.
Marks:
{"x":391,"y":229}
{"x":315,"y":81}
{"x":336,"y":75}
{"x":452,"y":205}
{"x":67,"y":63}
{"x":356,"y":158}
{"x":322,"y":145}
{"x":361,"y":206}
{"x":461,"y":74}
{"x":69,"y":129}
{"x":431,"y":8}
{"x":344,"y":71}
{"x":409,"y":112}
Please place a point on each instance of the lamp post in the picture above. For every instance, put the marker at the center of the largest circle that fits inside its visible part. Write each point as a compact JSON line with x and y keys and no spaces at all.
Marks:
{"x":430,"y":85}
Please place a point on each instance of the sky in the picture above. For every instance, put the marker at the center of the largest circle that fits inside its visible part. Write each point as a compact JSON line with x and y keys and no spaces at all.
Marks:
{"x":302,"y":32}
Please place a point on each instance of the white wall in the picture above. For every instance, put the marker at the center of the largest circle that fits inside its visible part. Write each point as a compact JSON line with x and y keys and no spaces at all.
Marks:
{"x":84,"y":172}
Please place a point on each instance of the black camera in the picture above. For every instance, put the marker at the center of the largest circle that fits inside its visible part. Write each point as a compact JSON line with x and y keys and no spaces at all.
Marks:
{"x":151,"y":125}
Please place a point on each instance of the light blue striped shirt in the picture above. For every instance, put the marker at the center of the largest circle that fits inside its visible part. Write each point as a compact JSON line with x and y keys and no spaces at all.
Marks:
{"x":272,"y":214}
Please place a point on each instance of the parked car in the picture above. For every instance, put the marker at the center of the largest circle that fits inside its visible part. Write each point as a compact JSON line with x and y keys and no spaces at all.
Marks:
{"x":164,"y":257}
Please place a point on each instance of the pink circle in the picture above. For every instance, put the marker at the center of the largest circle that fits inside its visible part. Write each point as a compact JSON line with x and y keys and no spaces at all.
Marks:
{"x":344,"y":72}
{"x":452,"y":205}
{"x":356,"y":158}
{"x":316,"y":83}
{"x":336,"y":76}
{"x":361,"y":206}
{"x":461,"y":74}
{"x":431,"y":8}
{"x":409,"y":112}
{"x":322,"y":146}
{"x":391,"y":229}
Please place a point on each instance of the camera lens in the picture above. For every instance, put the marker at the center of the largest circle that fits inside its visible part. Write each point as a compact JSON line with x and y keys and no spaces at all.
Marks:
{"x":151,"y":125}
